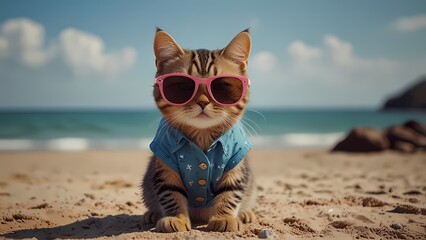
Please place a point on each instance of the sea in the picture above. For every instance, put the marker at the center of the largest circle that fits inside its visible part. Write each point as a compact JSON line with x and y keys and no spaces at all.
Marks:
{"x":134,"y":129}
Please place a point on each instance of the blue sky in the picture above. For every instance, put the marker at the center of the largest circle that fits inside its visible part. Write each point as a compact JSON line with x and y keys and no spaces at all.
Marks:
{"x":98,"y":54}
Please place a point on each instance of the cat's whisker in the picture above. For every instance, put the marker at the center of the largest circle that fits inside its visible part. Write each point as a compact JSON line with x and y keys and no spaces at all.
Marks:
{"x":258,"y":113}
{"x":248,"y":119}
{"x":246,"y":123}
{"x":249,"y":129}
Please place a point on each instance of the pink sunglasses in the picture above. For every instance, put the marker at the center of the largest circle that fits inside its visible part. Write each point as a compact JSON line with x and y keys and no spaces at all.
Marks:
{"x":180,"y":88}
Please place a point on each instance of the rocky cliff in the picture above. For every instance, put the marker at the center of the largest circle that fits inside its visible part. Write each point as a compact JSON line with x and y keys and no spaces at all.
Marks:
{"x":414,"y":98}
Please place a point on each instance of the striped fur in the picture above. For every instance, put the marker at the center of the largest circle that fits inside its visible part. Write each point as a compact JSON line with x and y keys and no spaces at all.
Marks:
{"x":163,"y":191}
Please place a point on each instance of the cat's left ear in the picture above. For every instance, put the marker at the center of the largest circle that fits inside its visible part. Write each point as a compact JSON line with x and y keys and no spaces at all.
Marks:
{"x":238,"y":50}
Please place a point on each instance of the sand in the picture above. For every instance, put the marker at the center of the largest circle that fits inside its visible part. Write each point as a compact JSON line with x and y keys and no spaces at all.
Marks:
{"x":302,"y":194}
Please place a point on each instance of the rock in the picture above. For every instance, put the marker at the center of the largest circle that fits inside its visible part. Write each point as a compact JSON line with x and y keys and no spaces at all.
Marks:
{"x":40,"y":206}
{"x":406,"y":209}
{"x":413,"y":192}
{"x":264,"y":233}
{"x":396,"y":226}
{"x":400,"y":137}
{"x":341,"y":224}
{"x":372,"y":202}
{"x":363,"y":139}
{"x":403,"y":147}
{"x":414,"y":98}
{"x":409,"y":137}
{"x":417,"y":127}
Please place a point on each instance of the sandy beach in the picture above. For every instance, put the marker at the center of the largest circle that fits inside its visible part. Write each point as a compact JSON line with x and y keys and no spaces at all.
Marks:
{"x":302,"y":194}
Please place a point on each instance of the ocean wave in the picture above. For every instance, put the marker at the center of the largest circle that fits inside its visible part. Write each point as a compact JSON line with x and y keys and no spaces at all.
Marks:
{"x":72,"y":144}
{"x":291,"y":140}
{"x":296,"y":140}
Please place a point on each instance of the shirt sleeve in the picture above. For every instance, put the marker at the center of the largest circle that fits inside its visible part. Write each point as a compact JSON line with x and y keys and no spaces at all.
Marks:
{"x":161,"y":146}
{"x":240,"y":151}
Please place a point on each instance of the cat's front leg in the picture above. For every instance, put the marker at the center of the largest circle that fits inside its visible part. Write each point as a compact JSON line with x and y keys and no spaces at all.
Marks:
{"x":172,"y":200}
{"x":227,"y":203}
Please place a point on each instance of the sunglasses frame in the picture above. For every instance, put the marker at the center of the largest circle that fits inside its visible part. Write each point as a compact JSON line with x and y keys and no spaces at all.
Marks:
{"x":207,"y":81}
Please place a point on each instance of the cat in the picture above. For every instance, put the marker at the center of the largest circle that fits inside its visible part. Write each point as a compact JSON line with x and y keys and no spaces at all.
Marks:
{"x":199,"y":172}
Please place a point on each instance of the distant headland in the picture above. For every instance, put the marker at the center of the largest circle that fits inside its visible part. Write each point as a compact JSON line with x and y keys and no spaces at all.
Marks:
{"x":413,"y":98}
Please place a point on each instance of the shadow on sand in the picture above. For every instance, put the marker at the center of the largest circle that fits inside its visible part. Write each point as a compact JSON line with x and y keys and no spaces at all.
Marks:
{"x":87,"y":228}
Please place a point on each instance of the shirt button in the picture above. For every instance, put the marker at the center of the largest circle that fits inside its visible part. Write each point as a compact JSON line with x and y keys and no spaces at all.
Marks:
{"x":203,"y":166}
{"x":199,"y":199}
{"x":202,"y":182}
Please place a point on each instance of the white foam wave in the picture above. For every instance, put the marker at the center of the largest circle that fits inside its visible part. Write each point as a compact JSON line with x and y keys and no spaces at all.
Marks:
{"x":293,"y":140}
{"x":68,"y":144}
{"x":72,"y":144}
{"x":16,"y":145}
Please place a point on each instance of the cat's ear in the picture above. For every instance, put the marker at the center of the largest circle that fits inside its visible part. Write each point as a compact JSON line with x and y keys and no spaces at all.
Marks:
{"x":165,"y":48}
{"x":238,"y":50}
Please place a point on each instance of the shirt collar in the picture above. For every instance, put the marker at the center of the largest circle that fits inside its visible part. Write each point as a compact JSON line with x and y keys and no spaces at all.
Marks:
{"x":225,"y":139}
{"x":177,"y":139}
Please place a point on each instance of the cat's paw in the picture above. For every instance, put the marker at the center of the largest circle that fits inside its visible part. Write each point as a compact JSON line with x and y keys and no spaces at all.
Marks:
{"x":150,"y":217}
{"x":247,"y":216}
{"x":224,"y":224}
{"x":173,"y":224}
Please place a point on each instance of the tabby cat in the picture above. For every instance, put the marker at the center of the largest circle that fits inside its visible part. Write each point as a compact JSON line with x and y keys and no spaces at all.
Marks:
{"x":199,"y":172}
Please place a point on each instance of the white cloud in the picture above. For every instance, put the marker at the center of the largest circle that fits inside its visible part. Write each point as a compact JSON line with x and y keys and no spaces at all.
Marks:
{"x":4,"y":44}
{"x":264,"y":61}
{"x":85,"y":53}
{"x":302,"y":52}
{"x":335,"y":61}
{"x":342,"y":55}
{"x":328,"y":74}
{"x":304,"y":57}
{"x":410,"y":24}
{"x":341,"y":51}
{"x":22,"y":40}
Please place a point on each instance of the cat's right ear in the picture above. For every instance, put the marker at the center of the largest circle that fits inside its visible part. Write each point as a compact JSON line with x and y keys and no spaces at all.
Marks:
{"x":165,"y":48}
{"x":238,"y":50}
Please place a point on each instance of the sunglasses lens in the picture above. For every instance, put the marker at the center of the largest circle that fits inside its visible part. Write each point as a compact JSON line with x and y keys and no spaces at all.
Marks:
{"x":227,"y":90}
{"x":178,"y":89}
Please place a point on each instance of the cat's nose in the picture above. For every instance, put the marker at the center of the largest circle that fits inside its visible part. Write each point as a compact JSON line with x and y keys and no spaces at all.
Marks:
{"x":203,"y":104}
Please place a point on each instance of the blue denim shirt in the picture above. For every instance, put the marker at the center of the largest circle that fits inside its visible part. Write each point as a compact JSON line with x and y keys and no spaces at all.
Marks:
{"x":200,"y":171}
